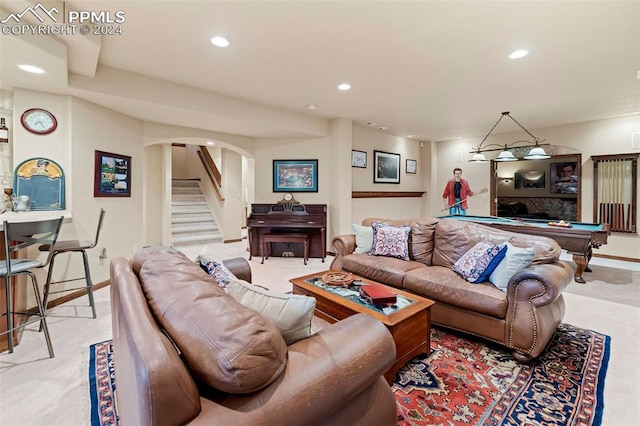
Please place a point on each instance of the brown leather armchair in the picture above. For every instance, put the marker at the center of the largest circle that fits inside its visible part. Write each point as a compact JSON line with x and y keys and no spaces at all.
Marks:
{"x":333,"y":377}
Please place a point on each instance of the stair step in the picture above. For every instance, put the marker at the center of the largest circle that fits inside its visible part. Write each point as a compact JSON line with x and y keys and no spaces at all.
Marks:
{"x":196,"y":227}
{"x":183,"y":240}
{"x":184,"y":183}
{"x":185,"y":209}
{"x":191,"y":218}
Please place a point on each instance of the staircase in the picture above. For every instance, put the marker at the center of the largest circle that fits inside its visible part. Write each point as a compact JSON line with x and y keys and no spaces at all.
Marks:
{"x":191,"y":219}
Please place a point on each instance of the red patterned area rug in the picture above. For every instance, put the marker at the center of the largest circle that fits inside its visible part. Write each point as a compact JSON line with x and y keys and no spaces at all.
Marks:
{"x":467,"y":382}
{"x":463,"y":382}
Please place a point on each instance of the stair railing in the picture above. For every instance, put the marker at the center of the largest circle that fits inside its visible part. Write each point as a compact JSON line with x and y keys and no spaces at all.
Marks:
{"x":212,"y":171}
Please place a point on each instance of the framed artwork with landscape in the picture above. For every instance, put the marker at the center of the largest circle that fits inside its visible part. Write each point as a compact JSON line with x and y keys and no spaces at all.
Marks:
{"x":386,"y":167}
{"x":112,"y":176}
{"x":295,"y":175}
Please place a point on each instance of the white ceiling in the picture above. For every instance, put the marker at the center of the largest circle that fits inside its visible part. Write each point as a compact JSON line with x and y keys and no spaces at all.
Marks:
{"x":435,"y":69}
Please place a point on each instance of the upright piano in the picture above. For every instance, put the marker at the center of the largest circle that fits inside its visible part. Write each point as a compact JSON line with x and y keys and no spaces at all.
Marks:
{"x":288,"y":217}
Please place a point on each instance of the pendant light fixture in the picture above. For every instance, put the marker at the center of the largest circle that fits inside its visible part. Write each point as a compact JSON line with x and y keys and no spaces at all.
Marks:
{"x":536,"y":152}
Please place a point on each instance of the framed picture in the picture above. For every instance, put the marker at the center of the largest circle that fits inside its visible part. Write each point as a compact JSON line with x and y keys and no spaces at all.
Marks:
{"x":295,"y":175}
{"x":386,"y":167}
{"x":412,"y":166}
{"x":564,"y":178}
{"x":530,"y":179}
{"x":112,"y":176}
{"x":358,"y":159}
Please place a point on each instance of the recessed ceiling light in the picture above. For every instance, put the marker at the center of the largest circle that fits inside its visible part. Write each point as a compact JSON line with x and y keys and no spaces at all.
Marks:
{"x":344,"y":86}
{"x":383,"y":127}
{"x":411,"y":136}
{"x":220,"y":41}
{"x":312,"y":107}
{"x":210,"y":143}
{"x":370,"y":123}
{"x":518,"y":54}
{"x":31,"y":68}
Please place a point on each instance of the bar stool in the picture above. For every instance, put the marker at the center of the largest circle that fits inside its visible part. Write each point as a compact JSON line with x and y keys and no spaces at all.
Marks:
{"x":17,"y":236}
{"x":71,"y":246}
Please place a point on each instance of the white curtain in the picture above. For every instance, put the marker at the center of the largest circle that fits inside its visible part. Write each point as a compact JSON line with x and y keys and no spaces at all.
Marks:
{"x":615,"y":193}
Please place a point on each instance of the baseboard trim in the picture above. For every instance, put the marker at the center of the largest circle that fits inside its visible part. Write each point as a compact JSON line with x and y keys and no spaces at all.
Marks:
{"x":74,"y":295}
{"x":232,"y":241}
{"x":4,"y":345}
{"x":621,"y":258}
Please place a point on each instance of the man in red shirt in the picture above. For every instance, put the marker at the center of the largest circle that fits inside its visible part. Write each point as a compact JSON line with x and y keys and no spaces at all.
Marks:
{"x":456,"y":193}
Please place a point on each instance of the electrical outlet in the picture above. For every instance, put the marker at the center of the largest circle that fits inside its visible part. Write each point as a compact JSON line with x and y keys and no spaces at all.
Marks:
{"x":103,"y":255}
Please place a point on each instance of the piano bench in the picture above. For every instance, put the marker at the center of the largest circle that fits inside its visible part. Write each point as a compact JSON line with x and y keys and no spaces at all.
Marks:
{"x":267,"y":239}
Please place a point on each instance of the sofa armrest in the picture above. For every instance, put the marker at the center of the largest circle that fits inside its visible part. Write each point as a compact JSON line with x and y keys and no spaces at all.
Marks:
{"x":536,"y":307}
{"x":539,"y":284}
{"x":325,"y":373}
{"x":342,"y":246}
{"x":240,"y":267}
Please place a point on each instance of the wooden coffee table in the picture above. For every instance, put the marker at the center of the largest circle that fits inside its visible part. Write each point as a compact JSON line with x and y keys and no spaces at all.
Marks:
{"x":409,"y":321}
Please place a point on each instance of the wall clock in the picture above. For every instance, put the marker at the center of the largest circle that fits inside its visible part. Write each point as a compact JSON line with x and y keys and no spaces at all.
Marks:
{"x":39,"y":121}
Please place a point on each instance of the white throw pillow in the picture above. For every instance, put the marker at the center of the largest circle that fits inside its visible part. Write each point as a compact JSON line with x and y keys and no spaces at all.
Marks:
{"x":364,"y":238}
{"x":291,"y":313}
{"x":515,"y":260}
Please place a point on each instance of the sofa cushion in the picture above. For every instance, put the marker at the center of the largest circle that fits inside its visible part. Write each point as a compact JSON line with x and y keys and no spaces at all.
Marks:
{"x":516,"y":258}
{"x":479,"y":262}
{"x":444,"y":285}
{"x":364,"y":238}
{"x":224,"y":344}
{"x":420,"y":238}
{"x":390,"y":241}
{"x":291,"y":313}
{"x":454,"y":237}
{"x":387,"y":270}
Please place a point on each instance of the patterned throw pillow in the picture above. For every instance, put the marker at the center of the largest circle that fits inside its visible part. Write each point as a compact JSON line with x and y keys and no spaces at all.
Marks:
{"x":478,"y":263}
{"x":392,"y":241}
{"x":218,"y":271}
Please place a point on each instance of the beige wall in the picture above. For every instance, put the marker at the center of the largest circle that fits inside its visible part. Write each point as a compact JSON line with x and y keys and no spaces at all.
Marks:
{"x":82,"y":129}
{"x":613,"y":136}
{"x":85,"y":127}
{"x":369,"y":139}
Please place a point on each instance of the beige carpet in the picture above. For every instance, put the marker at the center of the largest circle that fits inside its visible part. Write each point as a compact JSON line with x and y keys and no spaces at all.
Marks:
{"x":36,"y":390}
{"x":611,"y":284}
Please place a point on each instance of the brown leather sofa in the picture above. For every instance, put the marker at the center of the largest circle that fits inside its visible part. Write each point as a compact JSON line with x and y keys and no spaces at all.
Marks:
{"x":333,"y":377}
{"x":523,"y":318}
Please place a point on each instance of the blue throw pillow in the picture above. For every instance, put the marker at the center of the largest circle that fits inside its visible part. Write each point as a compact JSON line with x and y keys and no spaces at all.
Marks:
{"x":477,"y":264}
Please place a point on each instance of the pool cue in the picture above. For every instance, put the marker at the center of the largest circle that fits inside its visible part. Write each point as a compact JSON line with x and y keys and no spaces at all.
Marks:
{"x":453,"y":205}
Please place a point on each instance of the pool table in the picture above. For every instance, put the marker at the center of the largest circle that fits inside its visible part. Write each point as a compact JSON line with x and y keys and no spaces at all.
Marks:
{"x":578,"y":240}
